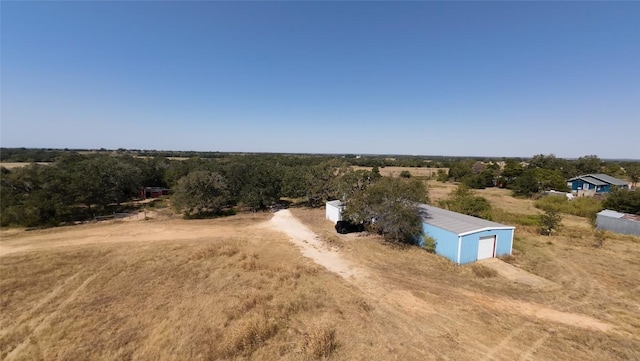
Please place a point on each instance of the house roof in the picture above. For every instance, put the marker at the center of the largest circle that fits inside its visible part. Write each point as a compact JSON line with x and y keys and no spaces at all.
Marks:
{"x":600,"y":179}
{"x":609,"y":179}
{"x":594,"y":181}
{"x":459,"y":223}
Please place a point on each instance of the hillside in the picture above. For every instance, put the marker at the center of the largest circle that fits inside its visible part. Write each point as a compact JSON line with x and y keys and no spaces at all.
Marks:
{"x":235,"y":288}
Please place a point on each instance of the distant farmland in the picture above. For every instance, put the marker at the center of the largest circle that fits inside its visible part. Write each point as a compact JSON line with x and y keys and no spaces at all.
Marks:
{"x":395,"y":171}
{"x":11,"y":165}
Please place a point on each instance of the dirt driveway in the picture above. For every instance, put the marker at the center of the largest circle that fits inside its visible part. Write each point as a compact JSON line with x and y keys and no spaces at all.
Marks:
{"x":516,"y":274}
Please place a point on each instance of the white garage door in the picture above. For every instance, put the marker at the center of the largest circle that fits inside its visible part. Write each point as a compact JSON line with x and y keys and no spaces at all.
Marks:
{"x":486,"y":247}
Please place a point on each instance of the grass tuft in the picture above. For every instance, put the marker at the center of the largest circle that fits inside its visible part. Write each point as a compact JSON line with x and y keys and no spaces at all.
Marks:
{"x":483,"y":271}
{"x":248,"y":335}
{"x":321,"y":341}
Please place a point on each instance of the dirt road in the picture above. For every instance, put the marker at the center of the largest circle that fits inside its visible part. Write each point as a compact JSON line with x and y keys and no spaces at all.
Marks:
{"x":311,"y":246}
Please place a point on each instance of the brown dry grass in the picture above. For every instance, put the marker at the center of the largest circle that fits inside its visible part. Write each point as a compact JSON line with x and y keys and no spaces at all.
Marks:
{"x":414,"y":171}
{"x":499,"y":197}
{"x":11,"y":165}
{"x":236,"y":290}
{"x":232,"y":288}
{"x":487,"y":315}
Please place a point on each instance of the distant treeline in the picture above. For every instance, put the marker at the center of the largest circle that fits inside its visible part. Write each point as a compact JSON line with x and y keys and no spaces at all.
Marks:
{"x":79,"y":184}
{"x":49,"y":155}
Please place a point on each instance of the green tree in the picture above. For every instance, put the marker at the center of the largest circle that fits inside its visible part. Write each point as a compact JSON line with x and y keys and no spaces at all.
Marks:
{"x":442,"y":176}
{"x":200,"y":192}
{"x":633,"y":173}
{"x":390,"y":206}
{"x":512,"y":170}
{"x":526,"y":184}
{"x":321,"y":181}
{"x":532,"y":181}
{"x":103,"y":179}
{"x":294,"y":182}
{"x":35,"y":196}
{"x":550,"y":221}
{"x":461,"y":169}
{"x":588,"y":164}
{"x":623,"y":200}
{"x":354,"y":181}
{"x":464,"y":200}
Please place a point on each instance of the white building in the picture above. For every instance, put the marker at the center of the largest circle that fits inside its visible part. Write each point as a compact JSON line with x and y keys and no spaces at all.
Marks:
{"x":334,"y":211}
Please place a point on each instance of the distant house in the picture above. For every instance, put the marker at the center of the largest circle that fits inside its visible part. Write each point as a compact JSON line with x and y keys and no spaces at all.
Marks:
{"x":618,"y":222}
{"x":153,"y":192}
{"x":595,"y":183}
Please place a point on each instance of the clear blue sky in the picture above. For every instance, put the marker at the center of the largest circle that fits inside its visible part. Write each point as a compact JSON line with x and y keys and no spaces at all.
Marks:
{"x":444,"y":78}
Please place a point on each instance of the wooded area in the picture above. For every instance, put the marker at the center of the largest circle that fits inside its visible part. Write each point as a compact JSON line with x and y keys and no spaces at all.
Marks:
{"x":77,"y":186}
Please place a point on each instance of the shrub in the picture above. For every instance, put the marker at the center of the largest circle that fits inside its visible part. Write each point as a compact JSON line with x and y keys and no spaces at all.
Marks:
{"x":600,"y":236}
{"x":464,"y":200}
{"x":428,"y":243}
{"x":583,"y":207}
{"x":625,"y":201}
{"x":550,"y":221}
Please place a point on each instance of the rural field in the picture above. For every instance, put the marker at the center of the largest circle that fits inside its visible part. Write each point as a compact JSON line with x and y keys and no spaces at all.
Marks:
{"x":284,"y":285}
{"x":11,"y":165}
{"x":392,"y":171}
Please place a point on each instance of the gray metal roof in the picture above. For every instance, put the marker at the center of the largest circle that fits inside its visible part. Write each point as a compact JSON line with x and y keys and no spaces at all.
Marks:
{"x":609,"y":179}
{"x":611,"y":214}
{"x":457,"y":222}
{"x":600,"y":179}
{"x":594,"y":181}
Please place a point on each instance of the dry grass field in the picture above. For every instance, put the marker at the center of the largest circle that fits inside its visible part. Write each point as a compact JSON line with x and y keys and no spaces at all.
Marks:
{"x":395,"y":171}
{"x":11,"y":165}
{"x":235,"y":288}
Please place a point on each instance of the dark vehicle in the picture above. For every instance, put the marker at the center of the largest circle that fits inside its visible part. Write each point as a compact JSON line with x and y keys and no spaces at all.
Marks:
{"x":344,"y":227}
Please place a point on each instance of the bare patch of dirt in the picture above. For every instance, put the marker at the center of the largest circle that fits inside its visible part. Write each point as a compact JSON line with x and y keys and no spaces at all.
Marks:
{"x":516,"y":274}
{"x":311,"y":246}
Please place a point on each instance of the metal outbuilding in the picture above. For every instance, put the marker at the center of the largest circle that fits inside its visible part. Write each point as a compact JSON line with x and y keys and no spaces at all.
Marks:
{"x":465,"y":239}
{"x":334,"y":210}
{"x":459,"y":237}
{"x":618,"y":222}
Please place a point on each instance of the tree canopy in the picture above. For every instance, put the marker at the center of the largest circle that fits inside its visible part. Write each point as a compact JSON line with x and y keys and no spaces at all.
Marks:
{"x":389,"y":206}
{"x":464,"y":200}
{"x":623,"y":200}
{"x":200,"y":191}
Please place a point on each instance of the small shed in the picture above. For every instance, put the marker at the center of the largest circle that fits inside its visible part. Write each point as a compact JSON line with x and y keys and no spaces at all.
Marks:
{"x":618,"y":222}
{"x":465,"y":239}
{"x":334,"y":211}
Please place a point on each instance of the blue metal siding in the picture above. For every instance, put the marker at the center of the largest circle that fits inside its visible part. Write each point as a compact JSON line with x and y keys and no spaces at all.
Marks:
{"x":469,"y":251}
{"x":606,"y":188}
{"x":446,"y":241}
{"x":580,"y":184}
